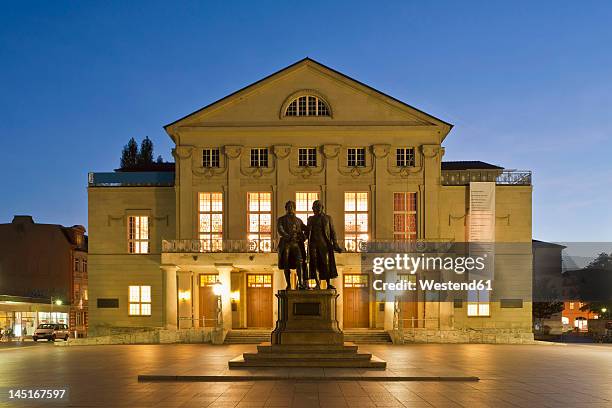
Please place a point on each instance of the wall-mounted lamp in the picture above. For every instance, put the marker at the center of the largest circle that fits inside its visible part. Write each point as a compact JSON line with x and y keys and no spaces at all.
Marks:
{"x":184,"y":295}
{"x":235,"y":296}
{"x":218,"y":289}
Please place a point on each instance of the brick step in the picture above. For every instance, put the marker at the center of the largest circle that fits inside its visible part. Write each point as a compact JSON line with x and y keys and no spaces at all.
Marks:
{"x":240,"y":362}
{"x":247,"y":336}
{"x":314,"y":348}
{"x":309,"y":356}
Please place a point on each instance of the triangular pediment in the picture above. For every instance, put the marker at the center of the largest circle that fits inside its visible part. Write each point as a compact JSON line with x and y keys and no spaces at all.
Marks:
{"x":351,"y":102}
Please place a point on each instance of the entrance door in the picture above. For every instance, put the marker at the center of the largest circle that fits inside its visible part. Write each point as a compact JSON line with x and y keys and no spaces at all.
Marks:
{"x":208,"y":300}
{"x":409,"y":310}
{"x":259,"y":300}
{"x":356,"y":301}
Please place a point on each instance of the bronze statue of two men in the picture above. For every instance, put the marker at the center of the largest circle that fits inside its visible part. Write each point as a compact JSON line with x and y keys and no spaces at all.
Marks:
{"x":321,"y":236}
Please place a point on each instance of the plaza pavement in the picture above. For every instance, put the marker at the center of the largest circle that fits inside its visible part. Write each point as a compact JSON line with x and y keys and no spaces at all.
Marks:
{"x":571,"y":375}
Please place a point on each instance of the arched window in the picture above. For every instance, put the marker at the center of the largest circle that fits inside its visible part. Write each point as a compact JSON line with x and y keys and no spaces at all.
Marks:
{"x":307,"y":105}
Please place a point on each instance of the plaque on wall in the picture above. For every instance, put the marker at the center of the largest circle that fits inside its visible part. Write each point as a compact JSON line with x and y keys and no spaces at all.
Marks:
{"x":307,"y":309}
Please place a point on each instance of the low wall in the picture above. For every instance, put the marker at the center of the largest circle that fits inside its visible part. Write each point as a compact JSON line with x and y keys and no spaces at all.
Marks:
{"x":489,"y":336}
{"x":155,"y":336}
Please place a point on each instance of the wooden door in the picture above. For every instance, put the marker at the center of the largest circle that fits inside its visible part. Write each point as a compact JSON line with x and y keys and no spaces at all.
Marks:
{"x":259,"y":300}
{"x":409,"y":310}
{"x":208,"y":300}
{"x":356,"y":300}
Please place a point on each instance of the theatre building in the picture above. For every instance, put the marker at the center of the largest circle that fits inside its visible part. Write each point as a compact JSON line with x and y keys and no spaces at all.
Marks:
{"x":191,"y":248}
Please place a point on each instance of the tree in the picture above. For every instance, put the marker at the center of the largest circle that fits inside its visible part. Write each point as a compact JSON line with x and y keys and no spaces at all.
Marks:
{"x":145,"y":156}
{"x":545,"y":310}
{"x":159,"y":159}
{"x":603,"y":261}
{"x":129,"y":155}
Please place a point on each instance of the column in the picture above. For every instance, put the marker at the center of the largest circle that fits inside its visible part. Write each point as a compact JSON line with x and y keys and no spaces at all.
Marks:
{"x":185,"y":299}
{"x":283,"y":192}
{"x":170,"y":296}
{"x":184,"y":197}
{"x":195,"y":299}
{"x":382,"y":215}
{"x":334,"y":203}
{"x":235,"y":200}
{"x":431,"y":181}
{"x":339,"y":284}
{"x":225,"y":278}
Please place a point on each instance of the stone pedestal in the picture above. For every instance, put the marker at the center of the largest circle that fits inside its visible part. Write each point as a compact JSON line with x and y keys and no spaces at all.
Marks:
{"x":307,"y":317}
{"x":307,"y":334}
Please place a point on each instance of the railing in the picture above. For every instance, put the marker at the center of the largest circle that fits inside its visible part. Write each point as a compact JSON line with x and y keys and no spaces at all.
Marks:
{"x":514,"y":177}
{"x":133,"y":178}
{"x":206,"y":246}
{"x":270,"y":245}
{"x":504,"y":178}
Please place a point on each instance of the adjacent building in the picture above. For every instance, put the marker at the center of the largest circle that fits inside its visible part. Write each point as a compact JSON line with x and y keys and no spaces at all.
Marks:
{"x":43,"y":276}
{"x":193,"y":247}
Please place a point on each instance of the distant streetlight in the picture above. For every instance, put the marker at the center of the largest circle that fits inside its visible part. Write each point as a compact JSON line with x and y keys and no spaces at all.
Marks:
{"x":58,"y":302}
{"x":604,"y":310}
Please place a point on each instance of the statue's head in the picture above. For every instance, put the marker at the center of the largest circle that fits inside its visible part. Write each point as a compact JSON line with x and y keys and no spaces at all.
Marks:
{"x":317,"y":207}
{"x":290,"y":207}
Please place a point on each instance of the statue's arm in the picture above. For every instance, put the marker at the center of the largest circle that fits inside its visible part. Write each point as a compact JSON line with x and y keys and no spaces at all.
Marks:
{"x":280,"y":228}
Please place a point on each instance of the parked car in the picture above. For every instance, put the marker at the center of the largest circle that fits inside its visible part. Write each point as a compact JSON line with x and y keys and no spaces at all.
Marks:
{"x":51,"y":332}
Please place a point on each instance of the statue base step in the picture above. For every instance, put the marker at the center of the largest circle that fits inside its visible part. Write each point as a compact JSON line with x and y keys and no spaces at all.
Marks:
{"x":345,"y":356}
{"x":307,"y":334}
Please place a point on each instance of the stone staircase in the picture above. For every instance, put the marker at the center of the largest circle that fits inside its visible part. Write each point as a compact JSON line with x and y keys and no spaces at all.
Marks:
{"x":367,"y":336}
{"x":339,"y":356}
{"x":247,"y":336}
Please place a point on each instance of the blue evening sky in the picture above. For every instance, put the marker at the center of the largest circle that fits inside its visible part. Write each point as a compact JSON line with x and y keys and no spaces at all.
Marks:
{"x":528,"y":85}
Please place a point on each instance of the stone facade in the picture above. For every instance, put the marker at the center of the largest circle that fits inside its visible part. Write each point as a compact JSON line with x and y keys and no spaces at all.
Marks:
{"x":257,"y":117}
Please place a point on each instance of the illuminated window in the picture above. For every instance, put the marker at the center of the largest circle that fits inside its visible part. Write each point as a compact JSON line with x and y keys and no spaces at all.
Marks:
{"x":140,"y":300}
{"x":478,"y":303}
{"x":210,"y":213}
{"x":208,"y":279}
{"x":138,"y":234}
{"x":210,"y":158}
{"x":571,"y":305}
{"x":404,"y":216}
{"x":259,"y":157}
{"x":356,"y":281}
{"x":356,"y":157}
{"x":565,"y":320}
{"x":260,"y":221}
{"x":404,"y":157}
{"x":355,"y":220}
{"x":259,"y":281}
{"x":307,"y":105}
{"x":303,"y":205}
{"x":307,"y":157}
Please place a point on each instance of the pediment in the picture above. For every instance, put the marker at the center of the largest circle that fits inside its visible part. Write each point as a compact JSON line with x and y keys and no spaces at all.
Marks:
{"x":352,"y":103}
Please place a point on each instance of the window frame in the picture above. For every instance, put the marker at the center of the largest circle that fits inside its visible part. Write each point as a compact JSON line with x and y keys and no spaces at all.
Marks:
{"x":356,"y":153}
{"x":140,"y":302}
{"x":263,"y":240}
{"x":406,"y":235}
{"x":309,"y":158}
{"x":352,"y":239}
{"x":214,"y":157}
{"x":304,"y":214}
{"x":257,"y":160}
{"x":301,"y":106}
{"x":404,"y":160}
{"x":136,"y":241}
{"x":214,"y":240}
